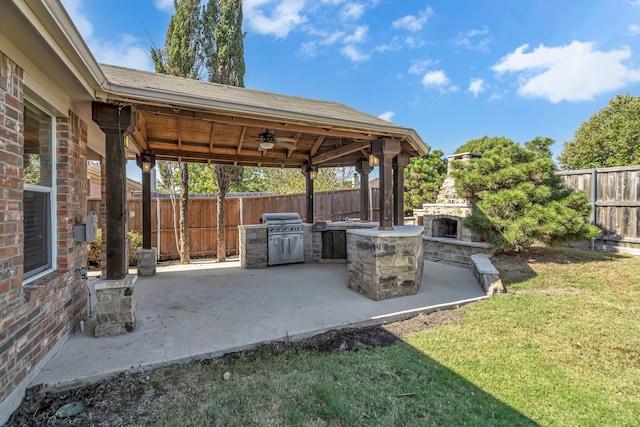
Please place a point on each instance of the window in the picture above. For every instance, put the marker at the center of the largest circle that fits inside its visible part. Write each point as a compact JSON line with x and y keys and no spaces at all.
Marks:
{"x":38,"y":203}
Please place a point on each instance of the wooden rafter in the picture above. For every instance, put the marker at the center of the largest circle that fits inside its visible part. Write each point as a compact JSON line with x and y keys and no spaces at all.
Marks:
{"x":317,"y":145}
{"x":339,"y":152}
{"x":212,"y":136}
{"x":241,"y":140}
{"x":297,"y":138}
{"x":273,"y":126}
{"x":179,"y":134}
{"x":195,"y":156}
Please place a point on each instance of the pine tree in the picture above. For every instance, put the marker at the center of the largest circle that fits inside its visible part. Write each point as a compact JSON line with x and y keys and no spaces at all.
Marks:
{"x":519,"y":200}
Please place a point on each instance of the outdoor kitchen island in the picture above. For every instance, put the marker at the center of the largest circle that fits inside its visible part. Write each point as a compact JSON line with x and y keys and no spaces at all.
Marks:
{"x":381,"y":264}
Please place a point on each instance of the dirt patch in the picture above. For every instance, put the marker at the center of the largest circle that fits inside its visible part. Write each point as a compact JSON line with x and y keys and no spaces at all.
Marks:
{"x":112,"y":401}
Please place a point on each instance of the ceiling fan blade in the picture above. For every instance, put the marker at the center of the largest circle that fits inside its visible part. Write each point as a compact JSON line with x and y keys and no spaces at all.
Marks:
{"x":285,"y":139}
{"x":286,"y":145}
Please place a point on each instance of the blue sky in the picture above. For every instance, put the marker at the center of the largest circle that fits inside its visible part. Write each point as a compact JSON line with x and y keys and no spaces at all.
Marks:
{"x":452,"y":70}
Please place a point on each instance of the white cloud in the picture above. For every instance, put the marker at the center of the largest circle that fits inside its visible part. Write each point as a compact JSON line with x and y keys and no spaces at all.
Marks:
{"x":358,"y":36}
{"x":392,"y":46}
{"x":421,"y":66}
{"x":352,"y":11}
{"x":387,"y":115}
{"x":476,"y":86}
{"x":354,"y":54}
{"x":165,"y":5}
{"x":82,"y":23}
{"x":473,"y":39}
{"x":413,"y":43}
{"x":125,"y":52}
{"x":413,"y":22}
{"x":435,"y":78}
{"x":332,"y":38}
{"x":308,"y":50}
{"x":574,"y":72}
{"x":274,"y":17}
{"x":123,"y":49}
{"x":633,"y":29}
{"x":635,"y":3}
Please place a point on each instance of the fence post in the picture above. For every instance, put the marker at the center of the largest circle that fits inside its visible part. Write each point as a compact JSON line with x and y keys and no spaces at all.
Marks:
{"x":594,"y":196}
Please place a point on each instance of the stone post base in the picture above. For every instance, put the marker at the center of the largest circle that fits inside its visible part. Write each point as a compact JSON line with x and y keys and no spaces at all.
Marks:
{"x":116,"y":306}
{"x":385,"y":264}
{"x":147,"y":260}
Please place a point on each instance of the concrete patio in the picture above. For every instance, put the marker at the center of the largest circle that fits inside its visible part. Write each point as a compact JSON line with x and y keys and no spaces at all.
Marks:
{"x":207,"y":309}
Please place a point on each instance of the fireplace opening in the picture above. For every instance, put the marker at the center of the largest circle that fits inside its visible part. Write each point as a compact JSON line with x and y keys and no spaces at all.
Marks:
{"x":445,"y":227}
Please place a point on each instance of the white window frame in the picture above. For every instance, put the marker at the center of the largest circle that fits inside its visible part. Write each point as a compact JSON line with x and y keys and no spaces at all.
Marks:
{"x":52,"y":192}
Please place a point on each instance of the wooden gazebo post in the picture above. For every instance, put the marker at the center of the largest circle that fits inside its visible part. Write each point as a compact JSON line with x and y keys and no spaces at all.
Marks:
{"x":309,"y":173}
{"x":399,"y":163}
{"x":363,"y":168}
{"x":385,"y":149}
{"x":115,"y":122}
{"x":147,"y":256}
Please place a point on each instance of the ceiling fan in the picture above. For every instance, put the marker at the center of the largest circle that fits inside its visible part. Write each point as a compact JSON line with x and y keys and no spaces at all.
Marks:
{"x":269,"y":140}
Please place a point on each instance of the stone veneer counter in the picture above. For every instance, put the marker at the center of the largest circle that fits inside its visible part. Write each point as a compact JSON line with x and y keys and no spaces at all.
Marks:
{"x":383,"y":264}
{"x":253,"y":246}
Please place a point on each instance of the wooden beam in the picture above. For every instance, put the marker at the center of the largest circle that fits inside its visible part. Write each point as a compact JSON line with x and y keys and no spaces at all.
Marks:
{"x":273,"y":125}
{"x":179,"y":134}
{"x":317,"y":145}
{"x":212,"y":136}
{"x":203,"y":152}
{"x":241,"y":140}
{"x":339,"y":152}
{"x":297,"y":137}
{"x":228,"y":158}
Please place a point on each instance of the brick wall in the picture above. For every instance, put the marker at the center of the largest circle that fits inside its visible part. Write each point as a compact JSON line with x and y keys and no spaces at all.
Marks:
{"x":35,"y":317}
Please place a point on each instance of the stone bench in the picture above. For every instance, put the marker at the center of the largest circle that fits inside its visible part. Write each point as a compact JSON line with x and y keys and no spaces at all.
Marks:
{"x":486,"y":273}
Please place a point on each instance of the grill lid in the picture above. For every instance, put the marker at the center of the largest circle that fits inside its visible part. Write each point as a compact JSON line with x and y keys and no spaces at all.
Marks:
{"x":281,"y":218}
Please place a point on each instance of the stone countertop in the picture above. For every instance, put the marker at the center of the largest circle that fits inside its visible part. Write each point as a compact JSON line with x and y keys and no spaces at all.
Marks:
{"x":398,"y":231}
{"x":253,"y":226}
{"x":347,"y":225}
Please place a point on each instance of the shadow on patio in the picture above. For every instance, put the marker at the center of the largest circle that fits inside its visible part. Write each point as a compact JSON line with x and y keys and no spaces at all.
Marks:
{"x":207,"y":309}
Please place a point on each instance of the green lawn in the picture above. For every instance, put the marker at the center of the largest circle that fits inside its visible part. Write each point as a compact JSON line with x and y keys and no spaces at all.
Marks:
{"x":562,"y":347}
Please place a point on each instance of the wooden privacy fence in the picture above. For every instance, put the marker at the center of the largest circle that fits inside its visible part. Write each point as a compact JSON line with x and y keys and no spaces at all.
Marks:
{"x":615,"y":196}
{"x":245,"y":210}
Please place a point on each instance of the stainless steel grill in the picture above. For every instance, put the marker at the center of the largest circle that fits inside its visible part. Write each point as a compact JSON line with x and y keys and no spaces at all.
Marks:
{"x":285,"y":238}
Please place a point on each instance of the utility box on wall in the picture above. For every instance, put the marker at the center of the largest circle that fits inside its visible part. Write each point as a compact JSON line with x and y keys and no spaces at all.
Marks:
{"x":87,"y":232}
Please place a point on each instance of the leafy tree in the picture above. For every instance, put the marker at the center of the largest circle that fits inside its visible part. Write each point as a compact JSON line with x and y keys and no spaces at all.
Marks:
{"x":611,"y":137}
{"x":167,"y":184}
{"x":200,"y":179}
{"x":291,"y":180}
{"x":519,"y":199}
{"x":225,"y":176}
{"x":223,"y":52}
{"x":423,"y":178}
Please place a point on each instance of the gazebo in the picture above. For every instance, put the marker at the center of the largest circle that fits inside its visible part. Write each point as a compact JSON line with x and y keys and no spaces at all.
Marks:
{"x":171,"y":118}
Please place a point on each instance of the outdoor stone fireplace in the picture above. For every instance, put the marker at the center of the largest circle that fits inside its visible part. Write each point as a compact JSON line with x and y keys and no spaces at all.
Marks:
{"x":445,"y":236}
{"x":444,"y":217}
